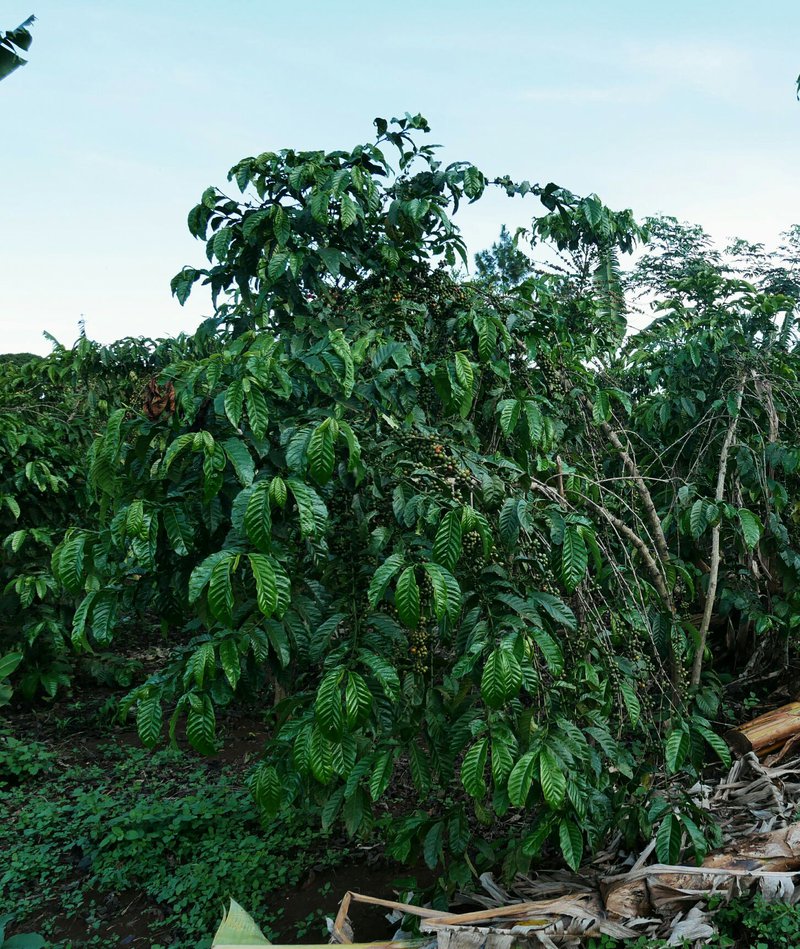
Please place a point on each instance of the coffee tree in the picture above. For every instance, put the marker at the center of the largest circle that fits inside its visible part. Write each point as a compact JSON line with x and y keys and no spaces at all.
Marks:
{"x":51,"y":410}
{"x":453,"y":534}
{"x":343,"y":501}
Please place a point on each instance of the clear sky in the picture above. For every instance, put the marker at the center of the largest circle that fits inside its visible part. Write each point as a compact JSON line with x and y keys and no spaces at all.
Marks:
{"x":127,"y":111}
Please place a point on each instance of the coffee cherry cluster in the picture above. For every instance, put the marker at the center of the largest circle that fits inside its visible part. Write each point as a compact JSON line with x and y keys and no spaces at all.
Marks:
{"x":473,"y":559}
{"x":428,"y":397}
{"x":472,"y":544}
{"x":420,"y":652}
{"x":433,"y":456}
{"x":551,"y":375}
{"x":426,"y":588}
{"x":541,"y":553}
{"x":391,"y":610}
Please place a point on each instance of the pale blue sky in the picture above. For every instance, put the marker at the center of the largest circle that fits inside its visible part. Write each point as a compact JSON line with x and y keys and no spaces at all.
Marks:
{"x":127,"y":111}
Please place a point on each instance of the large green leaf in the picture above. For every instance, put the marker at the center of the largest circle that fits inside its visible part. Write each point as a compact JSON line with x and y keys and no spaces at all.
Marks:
{"x":178,"y":528}
{"x":277,"y":491}
{"x":508,"y":410}
{"x":574,"y":558}
{"x":473,"y":769}
{"x":230,"y":661}
{"x":258,"y":516}
{"x":502,"y":677}
{"x":308,"y":506}
{"x":699,"y":843}
{"x":631,"y":700}
{"x":220,"y":591}
{"x":266,"y":583}
{"x":509,"y":522}
{"x":446,"y":591}
{"x":697,"y":517}
{"x":320,"y":451}
{"x":521,"y":778}
{"x":257,"y":411}
{"x":328,"y":709}
{"x":214,"y":461}
{"x":551,"y":651}
{"x":234,"y":402}
{"x":80,"y":620}
{"x":406,"y":596}
{"x":570,"y":837}
{"x":266,"y":788}
{"x":556,"y":608}
{"x":241,"y":459}
{"x":201,"y":723}
{"x":534,"y":421}
{"x":9,"y":663}
{"x":238,"y":928}
{"x":202,"y":573}
{"x":175,"y":448}
{"x":447,"y":544}
{"x":342,"y":349}
{"x":281,"y":225}
{"x":149,"y":721}
{"x":320,"y":757}
{"x":677,"y":748}
{"x":382,"y":577}
{"x":70,"y":563}
{"x":103,"y":616}
{"x":502,"y":759}
{"x":668,"y":840}
{"x":716,"y":744}
{"x":419,"y":759}
{"x":751,"y":528}
{"x":601,"y":408}
{"x":384,"y":672}
{"x":358,"y":700}
{"x":381,"y":774}
{"x":465,"y":374}
{"x":552,"y":778}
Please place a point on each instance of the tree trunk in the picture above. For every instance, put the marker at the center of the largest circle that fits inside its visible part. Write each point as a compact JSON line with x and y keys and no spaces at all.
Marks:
{"x":713,"y":577}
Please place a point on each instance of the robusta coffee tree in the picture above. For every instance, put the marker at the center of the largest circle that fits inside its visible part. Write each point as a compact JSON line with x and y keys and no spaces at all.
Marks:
{"x":342,"y":499}
{"x":51,"y":410}
{"x":455,"y":534}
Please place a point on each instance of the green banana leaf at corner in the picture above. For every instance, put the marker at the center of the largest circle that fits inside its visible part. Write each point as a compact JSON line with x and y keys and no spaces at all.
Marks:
{"x":10,"y":42}
{"x":238,"y":928}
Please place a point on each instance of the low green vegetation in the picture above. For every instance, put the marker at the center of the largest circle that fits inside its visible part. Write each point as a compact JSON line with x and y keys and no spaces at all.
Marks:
{"x":148,"y":845}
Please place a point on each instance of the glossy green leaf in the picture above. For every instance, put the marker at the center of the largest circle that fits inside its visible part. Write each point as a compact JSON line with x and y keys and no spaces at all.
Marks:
{"x":447,"y":544}
{"x":473,"y":769}
{"x":574,"y":558}
{"x":521,"y":778}
{"x":501,"y":679}
{"x":552,"y":778}
{"x":668,"y":840}
{"x":570,"y":838}
{"x":406,"y":597}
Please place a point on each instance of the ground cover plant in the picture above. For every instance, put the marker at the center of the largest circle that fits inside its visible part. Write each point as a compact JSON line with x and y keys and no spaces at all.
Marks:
{"x":143,"y":826}
{"x":469,"y":545}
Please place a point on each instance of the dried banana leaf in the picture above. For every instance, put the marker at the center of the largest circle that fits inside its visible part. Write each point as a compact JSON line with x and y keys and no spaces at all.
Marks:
{"x":768,"y":732}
